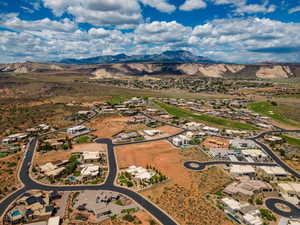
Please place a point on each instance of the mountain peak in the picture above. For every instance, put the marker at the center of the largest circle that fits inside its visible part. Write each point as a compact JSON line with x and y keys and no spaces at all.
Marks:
{"x":170,"y":56}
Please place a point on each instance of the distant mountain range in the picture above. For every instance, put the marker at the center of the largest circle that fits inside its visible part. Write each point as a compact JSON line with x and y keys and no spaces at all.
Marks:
{"x":179,"y":56}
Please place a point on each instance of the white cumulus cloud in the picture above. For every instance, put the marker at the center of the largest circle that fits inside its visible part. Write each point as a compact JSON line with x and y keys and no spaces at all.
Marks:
{"x":190,"y":5}
{"x":160,"y":5}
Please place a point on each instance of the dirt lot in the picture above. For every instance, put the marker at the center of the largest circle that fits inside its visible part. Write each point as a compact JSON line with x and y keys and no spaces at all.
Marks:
{"x":215,"y":142}
{"x":52,"y":156}
{"x":183,"y":196}
{"x":294,"y":164}
{"x":142,"y":216}
{"x":169,"y":130}
{"x":106,"y":127}
{"x":8,"y":174}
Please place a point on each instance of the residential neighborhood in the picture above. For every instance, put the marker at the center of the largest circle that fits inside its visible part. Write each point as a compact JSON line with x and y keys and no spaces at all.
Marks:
{"x":79,"y":156}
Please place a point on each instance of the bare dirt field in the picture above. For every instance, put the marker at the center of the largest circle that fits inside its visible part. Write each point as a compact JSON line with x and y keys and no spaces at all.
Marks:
{"x":183,"y":195}
{"x":106,"y":127}
{"x":8,"y":174}
{"x":294,"y":164}
{"x":169,"y":129}
{"x":61,"y":155}
{"x":141,"y":215}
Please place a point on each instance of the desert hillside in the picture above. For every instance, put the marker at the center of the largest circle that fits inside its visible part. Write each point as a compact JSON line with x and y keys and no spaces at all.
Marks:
{"x":217,"y":70}
{"x":125,"y":70}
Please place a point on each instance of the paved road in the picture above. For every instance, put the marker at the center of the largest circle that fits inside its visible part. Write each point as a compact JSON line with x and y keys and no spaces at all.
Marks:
{"x":195,"y":165}
{"x":30,"y":184}
{"x":278,"y":160}
{"x":108,"y":185}
{"x":292,"y":213}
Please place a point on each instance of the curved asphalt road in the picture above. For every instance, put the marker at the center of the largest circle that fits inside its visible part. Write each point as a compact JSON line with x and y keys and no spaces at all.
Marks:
{"x":292,"y":213}
{"x":195,"y":165}
{"x":30,"y":184}
{"x":108,"y":185}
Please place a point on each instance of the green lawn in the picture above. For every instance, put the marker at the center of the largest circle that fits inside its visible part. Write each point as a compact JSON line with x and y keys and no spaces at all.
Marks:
{"x":82,"y":139}
{"x":3,"y":154}
{"x":267,"y":109}
{"x":289,"y":96}
{"x":117,"y":100}
{"x":183,"y":113}
{"x":291,"y":140}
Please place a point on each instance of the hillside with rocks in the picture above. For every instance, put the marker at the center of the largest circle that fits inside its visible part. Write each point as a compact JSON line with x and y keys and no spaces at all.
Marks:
{"x":199,"y":69}
{"x":128,"y":70}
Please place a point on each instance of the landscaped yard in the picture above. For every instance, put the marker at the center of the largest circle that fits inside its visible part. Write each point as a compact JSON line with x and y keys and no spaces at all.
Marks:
{"x":183,"y":113}
{"x":271,"y":110}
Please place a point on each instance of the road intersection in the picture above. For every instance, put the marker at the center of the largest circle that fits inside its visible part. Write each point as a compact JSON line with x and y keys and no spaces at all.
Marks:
{"x":109,"y":184}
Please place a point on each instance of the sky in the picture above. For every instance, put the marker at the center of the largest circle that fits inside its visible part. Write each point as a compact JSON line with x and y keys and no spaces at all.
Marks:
{"x":237,"y":31}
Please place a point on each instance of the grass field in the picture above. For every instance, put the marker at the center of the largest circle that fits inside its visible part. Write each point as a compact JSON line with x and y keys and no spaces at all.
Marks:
{"x":272,"y":111}
{"x":3,"y":154}
{"x":182,"y":113}
{"x":117,"y":100}
{"x":291,"y":140}
{"x":290,"y":96}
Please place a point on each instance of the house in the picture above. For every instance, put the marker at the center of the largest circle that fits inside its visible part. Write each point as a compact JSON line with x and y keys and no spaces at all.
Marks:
{"x":245,"y":188}
{"x":166,"y":116}
{"x":252,"y":219}
{"x":54,"y":220}
{"x":90,"y":170}
{"x":108,"y":110}
{"x":152,"y":132}
{"x":90,"y":157}
{"x":181,"y":140}
{"x":47,"y":167}
{"x":290,"y":191}
{"x":152,"y":111}
{"x":139,"y":173}
{"x":234,"y":132}
{"x":14,"y":137}
{"x":193,"y":126}
{"x":289,"y":188}
{"x":85,"y":113}
{"x":77,"y":130}
{"x":272,"y":171}
{"x":16,"y":215}
{"x":242,"y":143}
{"x":210,"y":129}
{"x":43,"y":127}
{"x":273,"y":139}
{"x":232,"y":205}
{"x":242,"y":170}
{"x":140,"y":119}
{"x":255,"y":154}
{"x":51,"y":170}
{"x":128,"y":135}
{"x":264,"y":126}
{"x":56,"y":143}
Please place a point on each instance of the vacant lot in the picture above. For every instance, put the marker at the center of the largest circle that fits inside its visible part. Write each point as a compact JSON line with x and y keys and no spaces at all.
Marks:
{"x":183,"y":113}
{"x":61,"y":155}
{"x":183,"y":195}
{"x":143,"y":217}
{"x":108,"y":126}
{"x":8,"y":174}
{"x":15,"y":117}
{"x":169,"y":130}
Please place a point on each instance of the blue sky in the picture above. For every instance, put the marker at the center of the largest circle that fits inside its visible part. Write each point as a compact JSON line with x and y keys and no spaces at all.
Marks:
{"x":240,"y":31}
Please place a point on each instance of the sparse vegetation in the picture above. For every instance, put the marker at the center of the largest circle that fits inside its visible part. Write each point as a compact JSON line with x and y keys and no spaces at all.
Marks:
{"x":267,"y":214}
